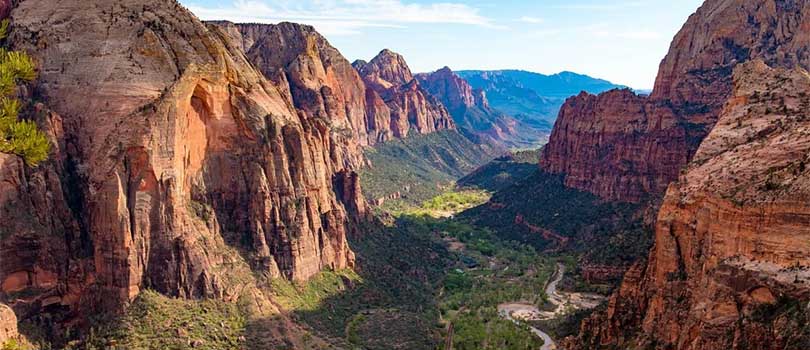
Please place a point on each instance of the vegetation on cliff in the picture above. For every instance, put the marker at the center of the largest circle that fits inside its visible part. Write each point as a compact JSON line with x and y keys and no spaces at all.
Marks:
{"x":405,"y":173}
{"x":20,"y":137}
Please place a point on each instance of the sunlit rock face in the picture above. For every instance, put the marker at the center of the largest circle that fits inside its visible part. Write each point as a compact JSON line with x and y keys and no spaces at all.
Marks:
{"x":624,"y":147}
{"x":177,"y":166}
{"x":730,"y":268}
{"x":473,"y":115}
{"x":412,"y":109}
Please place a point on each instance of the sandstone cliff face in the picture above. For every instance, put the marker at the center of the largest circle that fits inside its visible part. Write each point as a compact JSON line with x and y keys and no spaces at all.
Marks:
{"x":732,"y":244}
{"x":412,"y":109}
{"x":641,"y":149}
{"x":176,"y":166}
{"x":320,"y":81}
{"x":616,"y":145}
{"x":472,"y":113}
{"x":8,"y":324}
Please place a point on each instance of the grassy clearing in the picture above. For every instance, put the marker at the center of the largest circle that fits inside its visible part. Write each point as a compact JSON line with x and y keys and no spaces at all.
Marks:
{"x":446,"y":204}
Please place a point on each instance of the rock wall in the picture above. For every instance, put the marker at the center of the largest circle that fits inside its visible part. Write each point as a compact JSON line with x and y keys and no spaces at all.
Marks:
{"x":617,"y":145}
{"x":730,"y":268}
{"x":8,"y":324}
{"x":637,"y":149}
{"x":412,"y":109}
{"x":176,"y":165}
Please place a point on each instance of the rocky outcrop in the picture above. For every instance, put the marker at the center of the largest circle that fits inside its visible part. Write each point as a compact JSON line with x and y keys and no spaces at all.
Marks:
{"x":617,"y":145}
{"x":473,"y":115}
{"x":454,"y":92}
{"x":323,"y":84}
{"x":412,"y":109}
{"x":730,"y":268}
{"x":641,"y":147}
{"x":176,"y":165}
{"x":8,"y":324}
{"x":320,"y":81}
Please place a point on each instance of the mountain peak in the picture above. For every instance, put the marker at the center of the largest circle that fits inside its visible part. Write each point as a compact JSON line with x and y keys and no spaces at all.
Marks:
{"x":388,"y":66}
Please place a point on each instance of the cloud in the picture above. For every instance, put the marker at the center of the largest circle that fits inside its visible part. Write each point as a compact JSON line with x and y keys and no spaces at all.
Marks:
{"x":533,"y":20}
{"x":344,"y":17}
{"x":601,"y":6}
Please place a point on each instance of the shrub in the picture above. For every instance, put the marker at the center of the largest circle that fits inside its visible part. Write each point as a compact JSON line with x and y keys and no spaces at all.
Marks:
{"x":20,"y":137}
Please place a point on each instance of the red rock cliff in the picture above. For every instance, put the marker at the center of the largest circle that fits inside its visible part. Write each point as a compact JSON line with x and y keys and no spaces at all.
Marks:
{"x":472,"y":113}
{"x":730,"y":268}
{"x":622,"y":147}
{"x":176,"y":165}
{"x":412,"y":109}
{"x":321,"y":82}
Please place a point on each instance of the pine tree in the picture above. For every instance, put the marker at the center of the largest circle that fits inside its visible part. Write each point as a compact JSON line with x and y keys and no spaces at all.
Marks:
{"x":20,"y":137}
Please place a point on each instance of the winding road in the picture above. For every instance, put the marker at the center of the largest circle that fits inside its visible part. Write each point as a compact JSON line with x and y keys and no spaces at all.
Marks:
{"x":508,"y":311}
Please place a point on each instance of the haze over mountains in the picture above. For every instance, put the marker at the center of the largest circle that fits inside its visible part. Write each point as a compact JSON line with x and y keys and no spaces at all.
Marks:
{"x":532,"y":97}
{"x":217,"y":185}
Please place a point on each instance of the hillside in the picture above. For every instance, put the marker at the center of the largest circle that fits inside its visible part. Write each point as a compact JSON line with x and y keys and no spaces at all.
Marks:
{"x":410,"y":171}
{"x":532,"y":98}
{"x":475,"y":117}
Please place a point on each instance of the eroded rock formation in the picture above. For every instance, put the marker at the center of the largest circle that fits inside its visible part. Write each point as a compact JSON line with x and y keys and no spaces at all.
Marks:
{"x":8,"y":324}
{"x":412,"y":109}
{"x":473,"y":115}
{"x":625,"y":147}
{"x":177,"y":166}
{"x":730,"y":268}
{"x":320,"y":81}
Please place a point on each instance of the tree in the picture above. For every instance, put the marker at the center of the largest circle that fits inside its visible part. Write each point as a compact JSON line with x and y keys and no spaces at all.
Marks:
{"x":20,"y":137}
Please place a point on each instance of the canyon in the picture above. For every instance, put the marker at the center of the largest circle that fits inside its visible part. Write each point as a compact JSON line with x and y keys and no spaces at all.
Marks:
{"x":252,"y":174}
{"x":730,"y":239}
{"x":721,"y":139}
{"x":626,"y":147}
{"x":176,"y":167}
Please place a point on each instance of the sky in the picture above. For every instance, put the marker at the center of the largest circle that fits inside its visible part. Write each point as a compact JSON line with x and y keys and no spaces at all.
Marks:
{"x":621,"y":40}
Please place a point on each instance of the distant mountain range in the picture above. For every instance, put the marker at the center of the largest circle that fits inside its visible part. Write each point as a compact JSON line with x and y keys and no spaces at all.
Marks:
{"x":533,"y":98}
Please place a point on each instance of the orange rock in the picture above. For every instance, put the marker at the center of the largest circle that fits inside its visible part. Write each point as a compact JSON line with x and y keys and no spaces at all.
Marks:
{"x":172,"y":155}
{"x":732,"y":234}
{"x":627,"y":148}
{"x":8,"y":324}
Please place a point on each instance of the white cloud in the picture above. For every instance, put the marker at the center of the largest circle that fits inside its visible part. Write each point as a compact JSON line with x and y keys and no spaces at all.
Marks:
{"x":529,"y":19}
{"x":344,"y":17}
{"x":602,"y":6}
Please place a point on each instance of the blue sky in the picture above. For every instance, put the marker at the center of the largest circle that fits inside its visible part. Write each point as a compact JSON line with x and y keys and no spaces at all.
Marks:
{"x":621,"y":40}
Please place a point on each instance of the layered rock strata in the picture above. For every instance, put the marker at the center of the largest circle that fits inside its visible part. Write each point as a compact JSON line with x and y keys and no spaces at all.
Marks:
{"x":412,"y":109}
{"x":176,"y":165}
{"x":472,"y":113}
{"x":730,"y":268}
{"x":625,"y":147}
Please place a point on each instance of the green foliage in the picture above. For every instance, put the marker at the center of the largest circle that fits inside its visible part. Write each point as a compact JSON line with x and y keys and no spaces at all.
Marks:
{"x":310,"y":295}
{"x":12,"y":344}
{"x":447,"y":203}
{"x":155,"y":321}
{"x":421,"y":166}
{"x":472,"y":333}
{"x":506,"y":271}
{"x":604,"y":232}
{"x":20,"y":137}
{"x":24,"y":139}
{"x":502,"y":172}
{"x":390,"y":329}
